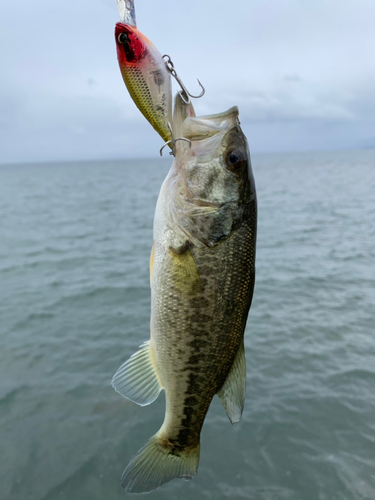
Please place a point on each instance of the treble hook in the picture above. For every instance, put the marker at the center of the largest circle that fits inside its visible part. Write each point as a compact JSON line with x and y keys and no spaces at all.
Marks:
{"x":173,"y":142}
{"x":184,"y":93}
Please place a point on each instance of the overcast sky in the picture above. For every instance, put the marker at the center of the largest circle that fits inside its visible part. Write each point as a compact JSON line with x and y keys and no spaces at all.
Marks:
{"x":301,"y":72}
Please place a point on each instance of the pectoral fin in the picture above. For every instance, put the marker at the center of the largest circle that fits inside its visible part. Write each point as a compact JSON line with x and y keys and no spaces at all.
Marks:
{"x":232,"y":393}
{"x":185,"y":272}
{"x":137,"y":379}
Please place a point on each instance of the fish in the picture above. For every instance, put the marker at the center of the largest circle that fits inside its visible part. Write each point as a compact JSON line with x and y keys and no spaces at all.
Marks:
{"x":202,"y":275}
{"x":144,"y":71}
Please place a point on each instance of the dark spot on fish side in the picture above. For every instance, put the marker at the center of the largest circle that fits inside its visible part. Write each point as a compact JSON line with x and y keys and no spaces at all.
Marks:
{"x":193,"y":378}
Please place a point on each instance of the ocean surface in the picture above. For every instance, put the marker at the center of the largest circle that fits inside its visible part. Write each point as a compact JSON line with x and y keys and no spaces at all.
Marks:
{"x":75,"y":240}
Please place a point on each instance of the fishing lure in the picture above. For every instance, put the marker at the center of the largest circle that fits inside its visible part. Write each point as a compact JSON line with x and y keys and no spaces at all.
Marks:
{"x":144,"y":71}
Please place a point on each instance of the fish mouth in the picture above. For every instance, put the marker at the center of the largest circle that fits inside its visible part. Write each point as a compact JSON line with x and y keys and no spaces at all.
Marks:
{"x":218,"y":117}
{"x":204,"y":127}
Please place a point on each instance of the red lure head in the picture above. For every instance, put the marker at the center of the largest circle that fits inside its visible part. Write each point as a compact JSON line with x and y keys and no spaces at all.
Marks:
{"x":129,"y":43}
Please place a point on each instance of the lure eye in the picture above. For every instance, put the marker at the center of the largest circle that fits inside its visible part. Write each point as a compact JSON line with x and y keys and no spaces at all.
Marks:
{"x":235,"y":159}
{"x":123,"y":38}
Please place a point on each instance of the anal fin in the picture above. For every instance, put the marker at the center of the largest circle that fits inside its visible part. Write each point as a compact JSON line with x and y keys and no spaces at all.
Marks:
{"x":137,"y":379}
{"x":232,"y":393}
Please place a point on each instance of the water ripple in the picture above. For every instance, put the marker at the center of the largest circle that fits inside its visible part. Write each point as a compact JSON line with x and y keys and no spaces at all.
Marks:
{"x":75,"y":303}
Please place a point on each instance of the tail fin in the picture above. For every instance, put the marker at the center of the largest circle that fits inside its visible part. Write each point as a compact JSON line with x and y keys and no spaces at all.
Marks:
{"x":156,"y":464}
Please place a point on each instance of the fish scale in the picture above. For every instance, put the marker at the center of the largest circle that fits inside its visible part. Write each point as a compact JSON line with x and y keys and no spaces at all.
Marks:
{"x":204,"y":333}
{"x":215,"y":340}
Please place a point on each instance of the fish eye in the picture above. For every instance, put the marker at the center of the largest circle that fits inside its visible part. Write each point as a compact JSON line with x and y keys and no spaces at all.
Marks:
{"x":123,"y":38}
{"x":235,"y":159}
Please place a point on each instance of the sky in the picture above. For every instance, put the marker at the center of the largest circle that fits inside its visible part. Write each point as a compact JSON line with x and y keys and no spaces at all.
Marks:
{"x":302,"y":74}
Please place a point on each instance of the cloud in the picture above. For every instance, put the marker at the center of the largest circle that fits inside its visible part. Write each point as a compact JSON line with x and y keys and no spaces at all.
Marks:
{"x":61,"y":126}
{"x":301,"y":73}
{"x":286,"y":100}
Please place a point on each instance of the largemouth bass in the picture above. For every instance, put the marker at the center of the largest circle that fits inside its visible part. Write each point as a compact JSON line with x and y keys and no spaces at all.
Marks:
{"x":202,"y":271}
{"x":144,"y":71}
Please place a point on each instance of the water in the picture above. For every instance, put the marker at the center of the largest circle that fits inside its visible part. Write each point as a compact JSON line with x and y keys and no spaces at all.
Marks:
{"x":75,"y":301}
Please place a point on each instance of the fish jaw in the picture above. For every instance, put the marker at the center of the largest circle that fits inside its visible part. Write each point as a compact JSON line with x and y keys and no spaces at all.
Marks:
{"x":198,"y":128}
{"x":146,"y":77}
{"x":181,"y":111}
